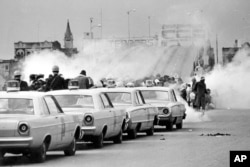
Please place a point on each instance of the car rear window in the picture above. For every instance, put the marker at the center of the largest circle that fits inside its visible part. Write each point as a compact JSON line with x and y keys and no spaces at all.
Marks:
{"x":75,"y":101}
{"x":150,"y":95}
{"x":120,"y":98}
{"x":16,"y":106}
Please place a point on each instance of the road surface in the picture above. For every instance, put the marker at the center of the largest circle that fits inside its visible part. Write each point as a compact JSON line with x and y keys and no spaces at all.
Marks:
{"x":195,"y":145}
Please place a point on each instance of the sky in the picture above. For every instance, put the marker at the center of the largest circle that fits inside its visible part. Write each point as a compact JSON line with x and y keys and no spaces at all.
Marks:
{"x":40,"y":20}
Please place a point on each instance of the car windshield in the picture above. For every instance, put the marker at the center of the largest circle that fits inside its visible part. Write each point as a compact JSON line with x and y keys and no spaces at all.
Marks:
{"x":152,"y":95}
{"x":75,"y":101}
{"x":16,"y":106}
{"x":120,"y":98}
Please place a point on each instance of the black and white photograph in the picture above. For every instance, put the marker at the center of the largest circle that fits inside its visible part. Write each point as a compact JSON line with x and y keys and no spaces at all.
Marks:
{"x":125,"y":83}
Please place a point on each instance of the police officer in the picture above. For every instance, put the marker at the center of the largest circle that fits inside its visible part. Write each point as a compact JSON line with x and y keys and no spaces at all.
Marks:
{"x":201,"y":90}
{"x":55,"y":82}
{"x":83,"y":80}
{"x":23,"y":84}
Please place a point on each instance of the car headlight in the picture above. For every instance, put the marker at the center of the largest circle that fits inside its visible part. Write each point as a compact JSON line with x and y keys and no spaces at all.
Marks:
{"x":23,"y":128}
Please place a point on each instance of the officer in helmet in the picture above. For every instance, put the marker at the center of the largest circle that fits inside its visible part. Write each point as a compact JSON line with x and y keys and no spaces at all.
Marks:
{"x":55,"y":82}
{"x":23,"y":84}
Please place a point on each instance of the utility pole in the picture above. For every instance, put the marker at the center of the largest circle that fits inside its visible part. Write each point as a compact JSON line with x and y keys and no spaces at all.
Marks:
{"x":101,"y":24}
{"x":217,"y":58}
{"x":149,"y":26}
{"x":128,"y":12}
{"x":91,"y":21}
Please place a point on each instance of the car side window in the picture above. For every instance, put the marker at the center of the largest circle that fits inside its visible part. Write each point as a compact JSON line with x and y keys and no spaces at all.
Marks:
{"x":46,"y":110}
{"x":53,"y":109}
{"x":139,"y":98}
{"x":136,"y":98}
{"x":105,"y":101}
{"x":174,"y":97}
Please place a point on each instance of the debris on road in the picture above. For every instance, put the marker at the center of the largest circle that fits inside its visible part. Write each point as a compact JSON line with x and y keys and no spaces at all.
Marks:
{"x":216,"y":134}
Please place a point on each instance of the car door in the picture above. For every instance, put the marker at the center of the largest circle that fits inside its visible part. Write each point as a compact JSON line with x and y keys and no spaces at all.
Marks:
{"x":59,"y":120}
{"x":176,"y":112}
{"x":108,"y":115}
{"x":141,"y":111}
{"x":151,"y":110}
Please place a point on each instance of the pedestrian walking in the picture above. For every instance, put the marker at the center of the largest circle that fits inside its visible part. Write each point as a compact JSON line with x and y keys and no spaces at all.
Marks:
{"x":193,"y":93}
{"x":201,"y":90}
{"x":183,"y":91}
{"x":188,"y":90}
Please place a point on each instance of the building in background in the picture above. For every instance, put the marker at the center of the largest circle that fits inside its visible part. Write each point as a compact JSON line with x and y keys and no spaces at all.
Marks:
{"x":182,"y":34}
{"x":7,"y":67}
{"x":68,"y":49}
{"x":23,"y":49}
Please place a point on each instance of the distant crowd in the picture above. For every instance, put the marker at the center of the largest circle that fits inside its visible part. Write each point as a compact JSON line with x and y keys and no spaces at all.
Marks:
{"x":196,"y":94}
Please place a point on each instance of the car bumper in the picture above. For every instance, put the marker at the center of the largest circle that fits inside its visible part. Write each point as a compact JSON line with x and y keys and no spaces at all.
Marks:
{"x":88,"y":130}
{"x":15,"y":142}
{"x":163,"y":119}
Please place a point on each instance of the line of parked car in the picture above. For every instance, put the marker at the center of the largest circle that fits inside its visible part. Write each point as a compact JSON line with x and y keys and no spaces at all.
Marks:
{"x":32,"y":123}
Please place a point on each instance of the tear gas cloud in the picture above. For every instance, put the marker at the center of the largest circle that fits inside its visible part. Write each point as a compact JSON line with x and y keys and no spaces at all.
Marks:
{"x":102,"y":60}
{"x":230,"y":84}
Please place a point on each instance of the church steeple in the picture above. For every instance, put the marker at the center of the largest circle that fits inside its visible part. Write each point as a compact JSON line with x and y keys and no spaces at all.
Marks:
{"x":68,"y":38}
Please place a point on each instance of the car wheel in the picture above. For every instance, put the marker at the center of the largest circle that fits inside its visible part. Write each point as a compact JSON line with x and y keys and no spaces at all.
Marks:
{"x":169,"y":125}
{"x":39,"y":155}
{"x":150,"y":132}
{"x":132,"y":134}
{"x":71,"y":150}
{"x":98,"y":142}
{"x":179,"y":125}
{"x":118,"y":138}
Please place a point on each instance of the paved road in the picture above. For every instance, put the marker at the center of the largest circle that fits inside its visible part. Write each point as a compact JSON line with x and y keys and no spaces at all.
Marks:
{"x":193,"y":146}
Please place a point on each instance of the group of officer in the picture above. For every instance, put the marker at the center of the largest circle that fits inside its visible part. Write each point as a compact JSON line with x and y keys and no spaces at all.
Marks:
{"x":55,"y":81}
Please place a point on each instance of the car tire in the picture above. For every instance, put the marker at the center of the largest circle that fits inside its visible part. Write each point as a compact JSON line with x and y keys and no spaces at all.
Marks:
{"x":132,"y":134}
{"x":169,"y":126}
{"x":179,"y":125}
{"x":39,"y":155}
{"x":150,"y":132}
{"x":118,"y":138}
{"x":71,"y":150}
{"x":98,"y":142}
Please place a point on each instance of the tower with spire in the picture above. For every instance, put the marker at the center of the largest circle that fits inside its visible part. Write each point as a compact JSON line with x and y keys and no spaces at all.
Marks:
{"x":68,"y":38}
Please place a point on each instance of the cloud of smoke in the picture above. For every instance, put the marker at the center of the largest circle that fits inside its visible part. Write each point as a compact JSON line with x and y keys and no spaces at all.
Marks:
{"x":102,"y":60}
{"x":229,"y":84}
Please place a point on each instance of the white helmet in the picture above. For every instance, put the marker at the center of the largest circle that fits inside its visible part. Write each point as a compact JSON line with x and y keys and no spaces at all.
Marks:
{"x":17,"y":73}
{"x":55,"y":68}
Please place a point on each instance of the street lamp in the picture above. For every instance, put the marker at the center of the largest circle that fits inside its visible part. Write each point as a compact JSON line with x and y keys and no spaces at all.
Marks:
{"x":149,"y":26}
{"x":93,"y":26}
{"x":128,"y":12}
